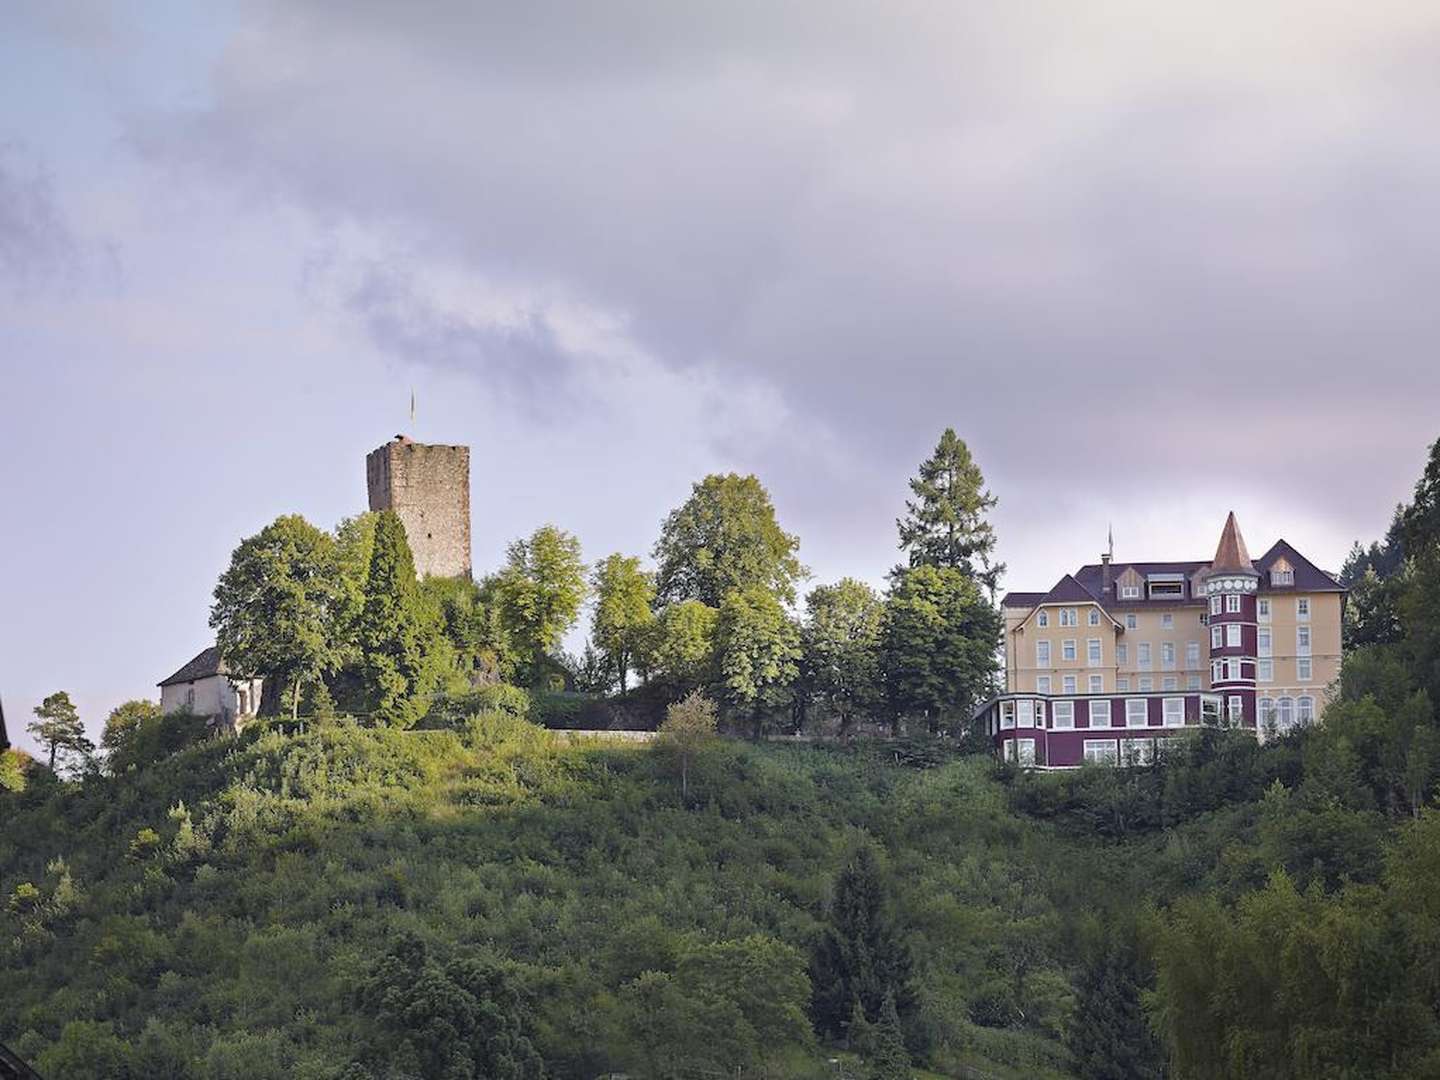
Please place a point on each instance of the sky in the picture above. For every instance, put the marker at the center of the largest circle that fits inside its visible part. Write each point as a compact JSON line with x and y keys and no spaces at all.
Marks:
{"x":1153,"y":262}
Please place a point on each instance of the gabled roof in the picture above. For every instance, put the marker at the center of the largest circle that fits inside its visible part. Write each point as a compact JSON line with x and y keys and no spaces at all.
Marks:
{"x":1069,"y":591}
{"x":206,"y":664}
{"x":1231,"y":555}
{"x":1092,"y":575}
{"x":1022,"y":599}
{"x":1308,"y":576}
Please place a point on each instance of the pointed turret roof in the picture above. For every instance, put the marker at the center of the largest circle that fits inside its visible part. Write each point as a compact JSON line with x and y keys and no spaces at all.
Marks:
{"x":1232,"y":555}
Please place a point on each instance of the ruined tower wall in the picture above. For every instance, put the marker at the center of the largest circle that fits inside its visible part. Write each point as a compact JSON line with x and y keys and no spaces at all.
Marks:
{"x":428,"y":487}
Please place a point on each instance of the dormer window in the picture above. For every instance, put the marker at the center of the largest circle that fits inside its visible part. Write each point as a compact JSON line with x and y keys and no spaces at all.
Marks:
{"x":1282,"y":577}
{"x":1129,"y":592}
{"x":1166,"y":586}
{"x":1094,"y":616}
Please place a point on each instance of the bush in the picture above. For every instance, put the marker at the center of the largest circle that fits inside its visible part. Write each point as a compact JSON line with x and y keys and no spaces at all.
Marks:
{"x":455,"y":711}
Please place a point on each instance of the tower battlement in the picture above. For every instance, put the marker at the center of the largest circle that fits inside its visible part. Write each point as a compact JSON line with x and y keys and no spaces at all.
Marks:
{"x":428,"y":487}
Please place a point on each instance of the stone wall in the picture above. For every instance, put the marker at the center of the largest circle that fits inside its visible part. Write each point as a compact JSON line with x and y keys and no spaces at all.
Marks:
{"x":429,"y":488}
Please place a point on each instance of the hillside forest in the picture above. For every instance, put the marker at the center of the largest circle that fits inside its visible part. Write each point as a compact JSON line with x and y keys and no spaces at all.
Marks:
{"x":402,"y":871}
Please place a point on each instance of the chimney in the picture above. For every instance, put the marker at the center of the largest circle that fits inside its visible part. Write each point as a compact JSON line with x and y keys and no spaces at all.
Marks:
{"x":1105,"y":575}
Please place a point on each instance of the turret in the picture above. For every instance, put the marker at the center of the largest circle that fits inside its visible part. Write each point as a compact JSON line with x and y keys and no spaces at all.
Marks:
{"x":1231,"y":584}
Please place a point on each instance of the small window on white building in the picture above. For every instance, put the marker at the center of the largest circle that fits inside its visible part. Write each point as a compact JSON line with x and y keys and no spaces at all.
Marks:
{"x":1097,"y":684}
{"x":1093,"y":653}
{"x":1100,"y":713}
{"x":1265,"y":711}
{"x":1285,"y":714}
{"x":1131,"y":621}
{"x":1094,"y":617}
{"x":1025,"y":713}
{"x":1122,"y":653}
{"x":1282,"y":577}
{"x":1167,"y":656}
{"x":1025,"y":751}
{"x":1142,"y":655}
{"x":1263,"y":644}
{"x":1167,"y":621}
{"x":1042,"y":684}
{"x":1068,"y":617}
{"x":1302,"y":640}
{"x":1265,"y":671}
{"x":1146,"y":684}
{"x":1063,"y":715}
{"x":1174,"y":711}
{"x":1067,"y":649}
{"x":1129,"y":592}
{"x":1237,"y":709}
{"x":1305,"y":710}
{"x":1302,"y":669}
{"x":1302,"y":608}
{"x":1042,"y":619}
{"x":1192,"y":682}
{"x":1262,"y":609}
{"x":1067,"y":685}
{"x":1100,"y":752}
{"x":1192,"y":656}
{"x":1122,"y":685}
{"x":1042,"y":654}
{"x":1170,"y":682}
{"x":1137,"y":712}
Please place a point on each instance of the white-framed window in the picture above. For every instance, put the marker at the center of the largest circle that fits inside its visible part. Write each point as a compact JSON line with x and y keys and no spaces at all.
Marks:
{"x":1131,"y":621}
{"x":1302,"y":640}
{"x":1101,"y":752}
{"x":1170,"y":682}
{"x":1167,"y":656}
{"x":1137,"y":751}
{"x":1167,"y":621}
{"x":1025,"y":751}
{"x":1007,"y":715}
{"x":1237,"y":708}
{"x":1232,"y":635}
{"x":1302,"y":608}
{"x":1305,"y":710}
{"x":1100,"y":713}
{"x":1210,"y":709}
{"x":1265,"y":710}
{"x":1285,"y":713}
{"x":1094,"y":617}
{"x":1217,"y":670}
{"x":1263,"y":643}
{"x":1192,"y":682}
{"x":1068,"y":617}
{"x":1025,"y":713}
{"x":1122,"y":653}
{"x":1042,"y":619}
{"x":1215,"y":604}
{"x":1302,"y":669}
{"x":1192,"y":656}
{"x":1265,"y":671}
{"x":1147,"y":684}
{"x":1093,"y":653}
{"x":1129,"y":592}
{"x":1232,"y":670}
{"x":1232,"y":603}
{"x":1067,"y":649}
{"x":1097,"y":684}
{"x":1042,"y":654}
{"x":1062,"y":713}
{"x":1137,"y":712}
{"x":1067,"y":684}
{"x":1042,"y":684}
{"x":1040,"y":713}
{"x":1122,"y":685}
{"x":1282,"y":577}
{"x":1262,"y":609}
{"x":1217,"y":636}
{"x":1174,"y":711}
{"x":1142,"y":655}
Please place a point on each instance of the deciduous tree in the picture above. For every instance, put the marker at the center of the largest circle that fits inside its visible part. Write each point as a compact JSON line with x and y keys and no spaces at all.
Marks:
{"x":623,"y":619}
{"x":688,"y":726}
{"x":758,"y":648}
{"x":540,"y":592}
{"x":278,"y":608}
{"x":725,"y":537}
{"x":841,"y":642}
{"x":684,"y":644}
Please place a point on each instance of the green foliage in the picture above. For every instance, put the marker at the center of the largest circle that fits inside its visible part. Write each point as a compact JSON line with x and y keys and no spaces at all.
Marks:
{"x":684,"y":649}
{"x":540,"y":592}
{"x":12,"y":770}
{"x":758,"y":651}
{"x":280,"y":606}
{"x":725,"y":537}
{"x":474,"y":626}
{"x":945,"y":524}
{"x":138,"y":733}
{"x":841,"y":640}
{"x":398,"y":630}
{"x":622,"y":626}
{"x":937,"y":647}
{"x":1109,"y":1037}
{"x":58,"y":728}
{"x":688,"y":728}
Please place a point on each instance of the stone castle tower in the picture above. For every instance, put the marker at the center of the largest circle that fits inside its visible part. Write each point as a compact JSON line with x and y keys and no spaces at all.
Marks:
{"x":429,"y":488}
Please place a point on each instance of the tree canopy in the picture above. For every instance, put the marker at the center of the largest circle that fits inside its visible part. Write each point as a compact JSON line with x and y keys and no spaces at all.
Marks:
{"x":623,"y":621}
{"x":540,"y":591}
{"x":946,"y":523}
{"x":58,"y":728}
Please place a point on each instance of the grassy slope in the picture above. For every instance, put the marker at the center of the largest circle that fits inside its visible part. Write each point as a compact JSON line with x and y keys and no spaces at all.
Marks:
{"x":579,"y":864}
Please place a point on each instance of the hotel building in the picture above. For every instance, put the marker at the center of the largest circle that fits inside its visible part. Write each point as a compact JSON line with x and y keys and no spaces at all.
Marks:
{"x":1118,"y":658}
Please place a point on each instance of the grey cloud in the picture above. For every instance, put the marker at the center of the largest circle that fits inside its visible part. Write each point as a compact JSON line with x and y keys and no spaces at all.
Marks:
{"x":36,"y":244}
{"x":1151,"y":237}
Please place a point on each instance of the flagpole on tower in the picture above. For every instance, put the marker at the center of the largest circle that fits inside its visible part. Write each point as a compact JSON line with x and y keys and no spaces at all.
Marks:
{"x":412,"y":407}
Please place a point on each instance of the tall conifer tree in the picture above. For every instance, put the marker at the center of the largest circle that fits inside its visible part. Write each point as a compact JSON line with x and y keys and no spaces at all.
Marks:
{"x":946,"y":523}
{"x":398,"y":631}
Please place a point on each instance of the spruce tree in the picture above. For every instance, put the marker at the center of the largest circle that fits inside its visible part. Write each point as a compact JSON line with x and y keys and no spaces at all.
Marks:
{"x":945,"y":524}
{"x":889,"y":1060}
{"x":57,"y":727}
{"x":861,"y":957}
{"x":398,"y":631}
{"x":1109,"y":1037}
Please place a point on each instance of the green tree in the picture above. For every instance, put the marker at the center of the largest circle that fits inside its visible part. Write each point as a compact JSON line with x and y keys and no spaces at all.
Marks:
{"x":58,"y":728}
{"x":938,"y":644}
{"x":725,"y":537}
{"x":688,"y":727}
{"x":124,"y":723}
{"x":278,"y":608}
{"x":683,"y":649}
{"x":540,"y":593}
{"x":12,"y":771}
{"x":888,"y":1057}
{"x":624,"y":619}
{"x":398,"y":630}
{"x":475,"y":627}
{"x":758,"y":649}
{"x":1421,"y":524}
{"x":1109,"y":1037}
{"x":946,"y":523}
{"x":861,"y":957}
{"x":841,"y":642}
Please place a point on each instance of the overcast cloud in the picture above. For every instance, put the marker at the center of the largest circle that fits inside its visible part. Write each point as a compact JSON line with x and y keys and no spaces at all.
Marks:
{"x":1152,"y":261}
